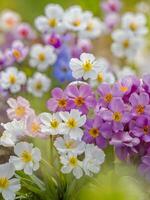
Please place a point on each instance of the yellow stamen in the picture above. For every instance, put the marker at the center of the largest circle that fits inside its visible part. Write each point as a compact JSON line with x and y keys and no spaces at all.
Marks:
{"x":100,"y":77}
{"x":117,"y":116}
{"x":126,"y":43}
{"x":52,"y":22}
{"x":90,"y":27}
{"x":71,"y":123}
{"x":26,"y":157}
{"x":108,"y":97}
{"x":123,"y":89}
{"x":79,"y":101}
{"x":41,"y":57}
{"x":12,"y":79}
{"x":20,"y":111}
{"x":62,"y":103}
{"x":87,"y":66}
{"x":94,"y":132}
{"x":76,"y":23}
{"x":38,"y":86}
{"x":140,"y":109}
{"x":35,"y":127}
{"x":4,"y":183}
{"x":73,"y":161}
{"x":16,"y":53}
{"x":133,"y":26}
{"x":54,"y":123}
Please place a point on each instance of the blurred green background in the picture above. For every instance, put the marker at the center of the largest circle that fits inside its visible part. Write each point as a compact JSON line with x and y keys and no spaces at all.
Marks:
{"x":29,"y":9}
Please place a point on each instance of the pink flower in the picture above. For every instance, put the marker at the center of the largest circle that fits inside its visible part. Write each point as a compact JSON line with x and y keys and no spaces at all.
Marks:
{"x":33,"y":126}
{"x":19,"y":108}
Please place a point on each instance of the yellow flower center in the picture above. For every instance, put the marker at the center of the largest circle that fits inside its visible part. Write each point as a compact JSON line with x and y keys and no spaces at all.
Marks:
{"x":69,"y":144}
{"x":38,"y":86}
{"x":94,"y":132}
{"x":73,"y":161}
{"x":76,"y":23}
{"x":41,"y":57}
{"x":123,"y":89}
{"x":54,"y":123}
{"x":90,"y":27}
{"x":16,"y":53}
{"x":117,"y":116}
{"x":133,"y":26}
{"x":87,"y":66}
{"x":26,"y":157}
{"x":71,"y":123}
{"x":12,"y":79}
{"x":108,"y":97}
{"x":20,"y":111}
{"x":35,"y":127}
{"x":62,"y":103}
{"x":4,"y":183}
{"x":52,"y":22}
{"x":79,"y":101}
{"x":100,"y":77}
{"x":140,"y":109}
{"x":126,"y":43}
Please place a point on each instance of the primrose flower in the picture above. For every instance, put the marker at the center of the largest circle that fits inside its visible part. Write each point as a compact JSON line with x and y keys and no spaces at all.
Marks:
{"x":73,"y":121}
{"x":50,"y":123}
{"x":38,"y":84}
{"x":19,"y":108}
{"x":94,"y":157}
{"x":125,"y":44}
{"x":25,"y":31}
{"x":53,"y":21}
{"x":42,"y":57}
{"x":59,"y":100}
{"x":140,"y":104}
{"x":18,"y":51}
{"x":96,"y":131}
{"x":53,"y":39}
{"x":12,"y":79}
{"x":111,"y":6}
{"x":9,"y":20}
{"x":75,"y":19}
{"x":116,"y":114}
{"x":94,"y":27}
{"x":85,"y":68}
{"x":135,"y":23}
{"x":71,"y":164}
{"x":81,"y":97}
{"x":33,"y":126}
{"x":27,"y":158}
{"x":13,"y":131}
{"x":66,"y":144}
{"x":8,"y":184}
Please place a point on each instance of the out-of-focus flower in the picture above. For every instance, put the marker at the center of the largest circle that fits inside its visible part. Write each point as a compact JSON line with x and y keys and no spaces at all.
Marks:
{"x":125,"y":71}
{"x":53,"y":21}
{"x":38,"y":84}
{"x":8,"y":185}
{"x":42,"y":56}
{"x":9,"y":20}
{"x":85,"y":68}
{"x":111,"y":21}
{"x":73,"y":121}
{"x":135,"y":23}
{"x":53,"y":39}
{"x":12,"y":79}
{"x":110,"y":6}
{"x":18,"y":108}
{"x":25,"y":31}
{"x":27,"y":158}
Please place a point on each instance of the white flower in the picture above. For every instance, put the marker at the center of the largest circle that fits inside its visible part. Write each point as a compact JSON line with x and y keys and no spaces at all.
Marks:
{"x":94,"y":27}
{"x":71,"y":164}
{"x":94,"y":157}
{"x":8,"y":185}
{"x":66,"y":144}
{"x":125,"y":71}
{"x":12,"y":79}
{"x":85,"y":68}
{"x":27,"y":158}
{"x":53,"y":21}
{"x":13,"y":131}
{"x":103,"y":74}
{"x":42,"y":56}
{"x":135,"y":23}
{"x":75,"y":19}
{"x":51,"y":123}
{"x":9,"y":20}
{"x":125,"y":44}
{"x":72,"y":123}
{"x":38,"y":84}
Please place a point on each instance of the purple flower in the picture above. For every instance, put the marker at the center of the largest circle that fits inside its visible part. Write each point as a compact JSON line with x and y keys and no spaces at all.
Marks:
{"x":141,"y":128}
{"x":81,"y":96}
{"x":144,"y":167}
{"x":53,"y":40}
{"x":140,"y":104}
{"x":18,"y":51}
{"x":59,"y":101}
{"x":97,"y":132}
{"x":111,"y":21}
{"x":116,"y":113}
{"x":124,"y":144}
{"x":111,"y":6}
